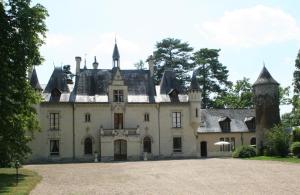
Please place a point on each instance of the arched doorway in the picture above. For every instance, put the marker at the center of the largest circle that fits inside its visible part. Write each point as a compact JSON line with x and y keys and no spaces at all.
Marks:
{"x":203,"y":148}
{"x":88,"y":146}
{"x":120,"y":149}
{"x":147,"y":144}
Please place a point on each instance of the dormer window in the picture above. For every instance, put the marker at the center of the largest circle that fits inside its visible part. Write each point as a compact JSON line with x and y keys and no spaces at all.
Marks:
{"x":224,"y":123}
{"x":173,"y":94}
{"x":55,"y":94}
{"x":250,"y":122}
{"x":118,"y":95}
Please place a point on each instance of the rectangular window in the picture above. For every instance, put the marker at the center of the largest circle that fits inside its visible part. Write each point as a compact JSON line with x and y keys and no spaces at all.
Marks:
{"x":232,"y":142}
{"x":54,"y":121}
{"x":177,"y":144}
{"x":118,"y":95}
{"x":227,"y":147}
{"x":176,"y":119}
{"x":222,"y":146}
{"x":54,"y":147}
{"x":146,"y":117}
{"x":87,"y":117}
{"x":196,"y":112}
{"x":118,"y":120}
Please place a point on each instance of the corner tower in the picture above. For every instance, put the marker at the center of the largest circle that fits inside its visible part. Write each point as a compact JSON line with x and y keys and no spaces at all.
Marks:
{"x":266,"y":101}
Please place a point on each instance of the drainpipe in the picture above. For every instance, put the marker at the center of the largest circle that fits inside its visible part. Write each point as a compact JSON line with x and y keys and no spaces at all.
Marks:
{"x":158,"y":116}
{"x":73,"y":109}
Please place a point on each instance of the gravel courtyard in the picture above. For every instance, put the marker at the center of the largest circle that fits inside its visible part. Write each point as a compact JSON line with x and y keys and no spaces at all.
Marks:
{"x":198,"y":176}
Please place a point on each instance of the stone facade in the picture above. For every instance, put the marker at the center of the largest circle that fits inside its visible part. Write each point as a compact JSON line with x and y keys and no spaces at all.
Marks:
{"x":121,"y":115}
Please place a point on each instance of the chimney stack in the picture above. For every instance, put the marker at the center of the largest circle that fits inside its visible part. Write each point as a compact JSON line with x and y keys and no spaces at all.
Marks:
{"x":151,"y":65}
{"x":78,"y":60}
{"x":95,"y":64}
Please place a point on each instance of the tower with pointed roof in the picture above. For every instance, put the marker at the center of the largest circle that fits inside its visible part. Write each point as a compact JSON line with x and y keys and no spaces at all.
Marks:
{"x":34,"y":81}
{"x":194,"y":95}
{"x":266,"y":100}
{"x":116,"y":57}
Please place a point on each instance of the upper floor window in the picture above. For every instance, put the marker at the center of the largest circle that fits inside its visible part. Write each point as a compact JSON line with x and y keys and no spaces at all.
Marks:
{"x":54,"y":147}
{"x":250,"y":122}
{"x":146,"y":117}
{"x":225,"y":124}
{"x":177,"y":144}
{"x":118,"y":95}
{"x":87,"y":117}
{"x":54,"y":121}
{"x":197,"y":113}
{"x":176,"y":119}
{"x":118,"y":120}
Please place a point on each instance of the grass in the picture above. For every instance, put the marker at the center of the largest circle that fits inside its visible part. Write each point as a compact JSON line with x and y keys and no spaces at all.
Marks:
{"x":27,"y":181}
{"x":273,"y":158}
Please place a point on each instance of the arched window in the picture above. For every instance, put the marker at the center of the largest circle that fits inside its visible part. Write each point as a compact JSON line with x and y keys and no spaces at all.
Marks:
{"x":88,"y":146}
{"x":253,"y":141}
{"x":147,"y":144}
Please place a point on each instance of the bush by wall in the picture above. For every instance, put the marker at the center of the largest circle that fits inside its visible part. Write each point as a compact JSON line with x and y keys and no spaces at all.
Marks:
{"x":244,"y":152}
{"x":277,"y":142}
{"x":296,"y":134}
{"x":295,"y":148}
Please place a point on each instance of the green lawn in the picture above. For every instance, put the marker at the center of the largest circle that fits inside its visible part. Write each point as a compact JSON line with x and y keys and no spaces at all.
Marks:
{"x":27,"y":181}
{"x":272,"y":158}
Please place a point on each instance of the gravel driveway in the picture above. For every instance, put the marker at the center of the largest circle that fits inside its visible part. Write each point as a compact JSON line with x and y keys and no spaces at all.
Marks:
{"x":198,"y":176}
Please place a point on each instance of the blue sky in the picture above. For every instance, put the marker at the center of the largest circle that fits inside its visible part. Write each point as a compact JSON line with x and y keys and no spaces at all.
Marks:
{"x":247,"y":32}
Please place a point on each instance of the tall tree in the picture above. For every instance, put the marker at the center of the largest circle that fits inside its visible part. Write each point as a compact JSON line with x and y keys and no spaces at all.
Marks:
{"x":22,"y":31}
{"x":239,"y":96}
{"x":296,"y":81}
{"x":174,"y":54}
{"x":212,"y":75}
{"x":140,"y":65}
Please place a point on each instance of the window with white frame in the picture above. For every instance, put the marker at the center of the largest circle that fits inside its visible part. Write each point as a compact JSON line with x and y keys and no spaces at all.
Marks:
{"x":118,"y":95}
{"x":176,"y":119}
{"x":54,"y":121}
{"x":177,"y":144}
{"x":87,"y":117}
{"x":54,"y":147}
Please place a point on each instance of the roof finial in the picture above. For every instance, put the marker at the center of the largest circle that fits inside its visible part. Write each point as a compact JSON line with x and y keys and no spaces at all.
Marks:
{"x":85,"y":61}
{"x":264,"y":64}
{"x":116,"y":38}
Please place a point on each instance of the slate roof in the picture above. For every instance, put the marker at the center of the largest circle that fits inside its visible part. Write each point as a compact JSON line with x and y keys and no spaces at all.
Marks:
{"x":212,"y":117}
{"x":57,"y":80}
{"x":116,"y":55}
{"x":169,"y":83}
{"x":34,"y":81}
{"x":194,"y":83}
{"x":265,"y":78}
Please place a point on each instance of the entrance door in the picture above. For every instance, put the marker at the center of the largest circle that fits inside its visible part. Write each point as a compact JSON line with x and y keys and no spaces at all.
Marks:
{"x":120,"y":150}
{"x":203,"y":145}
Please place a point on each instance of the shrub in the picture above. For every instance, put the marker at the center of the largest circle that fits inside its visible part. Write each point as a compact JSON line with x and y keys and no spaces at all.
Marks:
{"x":296,"y":134}
{"x":277,"y":142}
{"x":244,"y":152}
{"x":295,"y":148}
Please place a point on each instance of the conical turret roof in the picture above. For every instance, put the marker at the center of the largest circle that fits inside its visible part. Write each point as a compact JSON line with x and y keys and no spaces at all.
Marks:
{"x":116,"y":55}
{"x":265,"y":78}
{"x":34,"y":81}
{"x":194,"y":83}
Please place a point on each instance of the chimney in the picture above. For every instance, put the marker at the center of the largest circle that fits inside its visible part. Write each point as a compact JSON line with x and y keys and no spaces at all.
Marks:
{"x":78,"y":60}
{"x":151,"y":65}
{"x":95,"y":64}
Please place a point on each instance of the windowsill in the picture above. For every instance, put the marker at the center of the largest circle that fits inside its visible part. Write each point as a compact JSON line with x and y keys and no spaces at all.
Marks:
{"x":54,"y":156}
{"x":53,"y":129}
{"x":176,"y":127}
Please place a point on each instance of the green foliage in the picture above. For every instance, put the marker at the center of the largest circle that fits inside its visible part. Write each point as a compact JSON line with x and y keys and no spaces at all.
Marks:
{"x":284,"y":93}
{"x":172,"y":53}
{"x":244,"y":152}
{"x":296,"y":81}
{"x":22,"y":30}
{"x":295,"y":148}
{"x":239,"y":96}
{"x":140,"y":65}
{"x":211,"y":74}
{"x":296,"y":134}
{"x":277,"y":141}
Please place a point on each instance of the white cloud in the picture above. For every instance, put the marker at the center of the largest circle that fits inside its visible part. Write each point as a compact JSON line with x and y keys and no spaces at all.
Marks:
{"x":58,"y":40}
{"x":259,"y":25}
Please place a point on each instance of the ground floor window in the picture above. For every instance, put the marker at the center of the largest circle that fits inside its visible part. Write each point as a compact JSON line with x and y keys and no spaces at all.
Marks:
{"x":88,"y":146}
{"x":253,"y":141}
{"x":229,"y":147}
{"x":147,"y":144}
{"x":54,"y":147}
{"x":177,"y":144}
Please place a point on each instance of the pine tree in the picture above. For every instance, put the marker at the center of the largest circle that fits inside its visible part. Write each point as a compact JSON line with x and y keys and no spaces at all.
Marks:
{"x":172,"y":54}
{"x":22,"y":30}
{"x":212,"y":75}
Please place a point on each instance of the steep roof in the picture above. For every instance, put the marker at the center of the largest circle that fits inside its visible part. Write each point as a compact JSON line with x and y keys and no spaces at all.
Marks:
{"x":265,"y":78}
{"x":212,"y":117}
{"x":34,"y":81}
{"x":57,"y":80}
{"x":194,"y":83}
{"x":116,"y":55}
{"x":169,"y":82}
